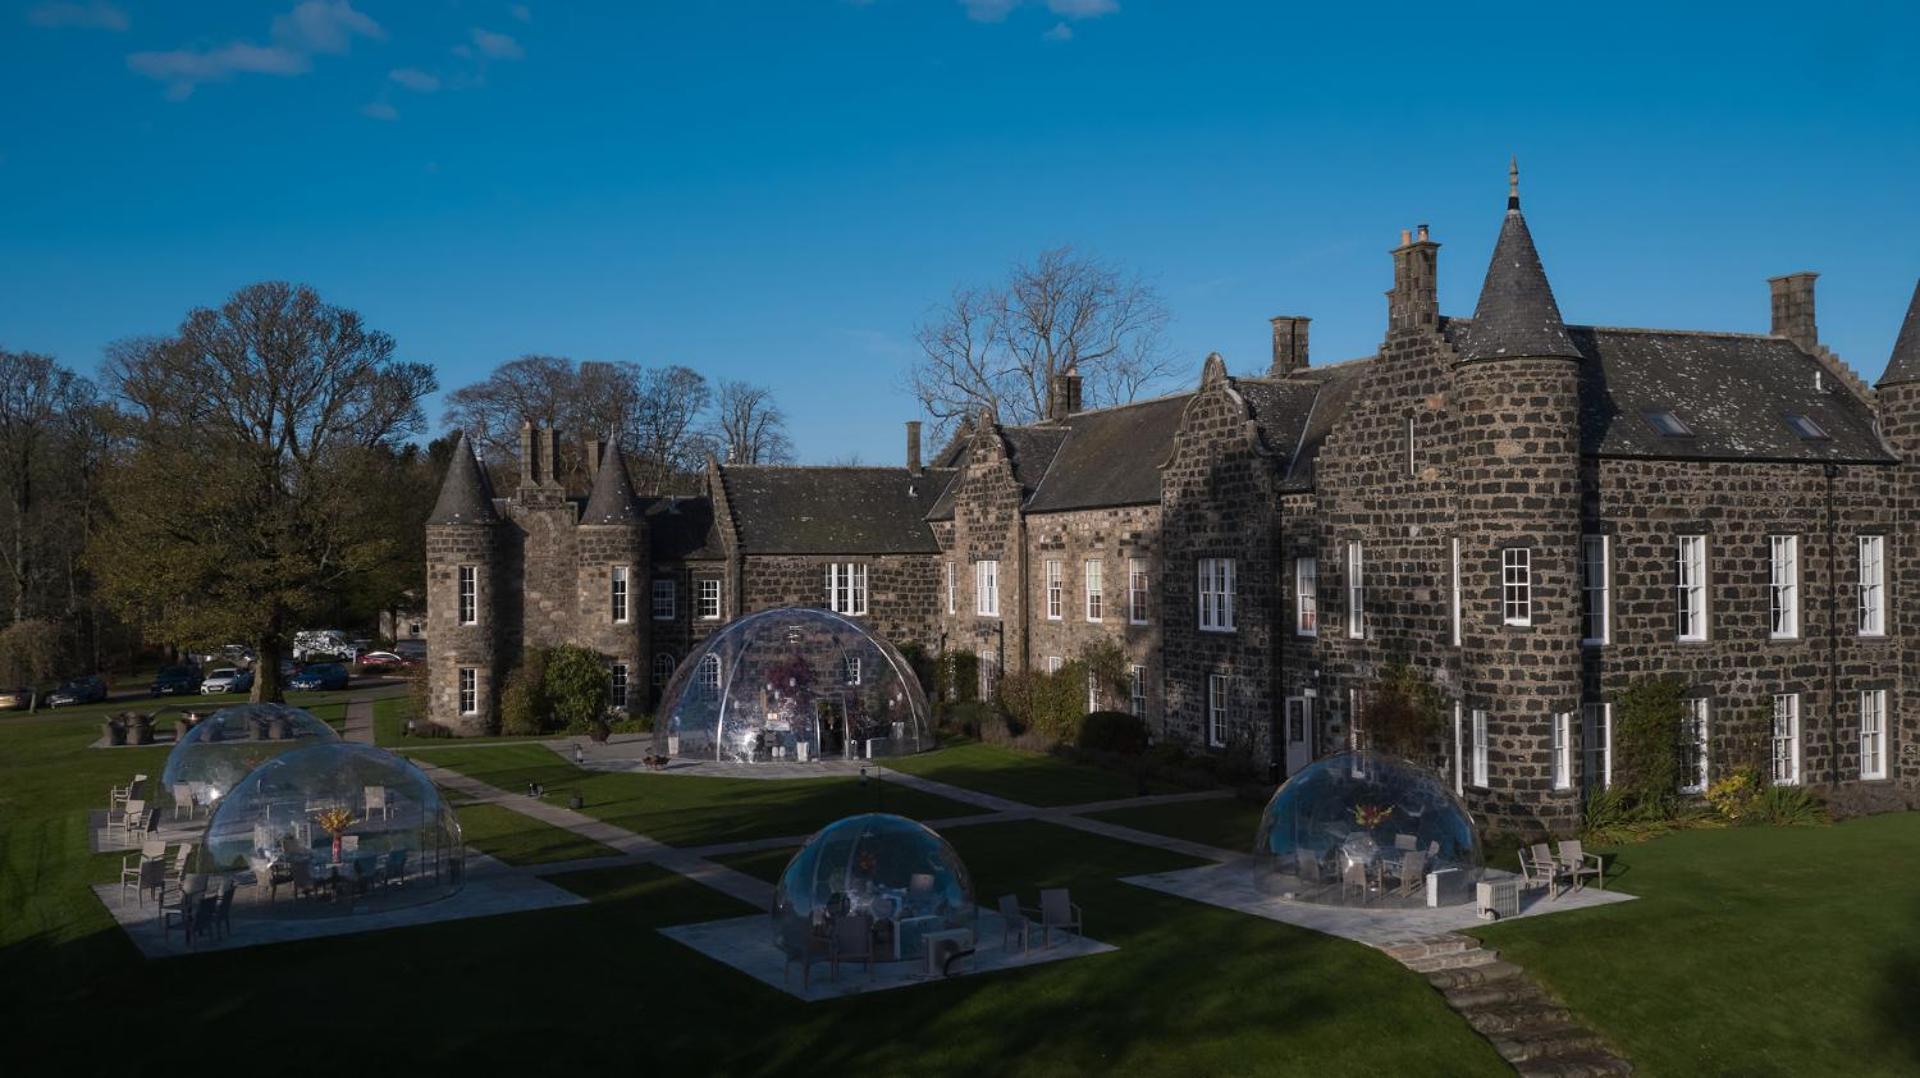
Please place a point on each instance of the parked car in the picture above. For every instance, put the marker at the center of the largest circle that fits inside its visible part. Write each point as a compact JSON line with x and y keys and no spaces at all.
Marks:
{"x":80,"y":690}
{"x":411,"y":650}
{"x":308,"y":643}
{"x":15,"y":699}
{"x":382,"y":660}
{"x":320,"y":677}
{"x":176,"y":680}
{"x":226,"y":679}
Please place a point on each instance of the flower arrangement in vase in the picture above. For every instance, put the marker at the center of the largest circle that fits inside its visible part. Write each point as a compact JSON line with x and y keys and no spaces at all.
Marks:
{"x":335,"y":822}
{"x":1371,"y":816}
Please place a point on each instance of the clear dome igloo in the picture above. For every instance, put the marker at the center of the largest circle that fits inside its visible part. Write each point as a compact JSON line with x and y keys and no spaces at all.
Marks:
{"x":794,"y":684}
{"x":217,"y":753}
{"x":334,"y":829}
{"x":899,"y":872}
{"x":1368,"y":829}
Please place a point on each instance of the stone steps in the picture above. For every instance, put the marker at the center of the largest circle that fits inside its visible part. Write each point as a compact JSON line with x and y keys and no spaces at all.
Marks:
{"x":1530,"y":1029}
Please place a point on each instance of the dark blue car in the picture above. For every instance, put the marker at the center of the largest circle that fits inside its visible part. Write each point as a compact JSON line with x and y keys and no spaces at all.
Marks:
{"x":174,"y":680}
{"x":320,"y":677}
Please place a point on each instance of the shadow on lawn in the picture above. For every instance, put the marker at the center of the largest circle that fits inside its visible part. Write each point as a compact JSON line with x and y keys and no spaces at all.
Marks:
{"x":1899,"y":989}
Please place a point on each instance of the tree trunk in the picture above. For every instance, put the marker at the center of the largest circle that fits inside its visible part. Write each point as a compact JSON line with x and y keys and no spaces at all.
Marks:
{"x":267,"y":688}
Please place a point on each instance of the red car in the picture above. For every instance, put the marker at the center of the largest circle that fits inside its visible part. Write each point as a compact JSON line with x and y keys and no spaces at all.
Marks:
{"x":382,"y":660}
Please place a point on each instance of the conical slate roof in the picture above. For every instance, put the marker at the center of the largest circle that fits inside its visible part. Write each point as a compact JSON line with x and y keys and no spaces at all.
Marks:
{"x":1517,"y":315}
{"x":464,"y":498}
{"x":612,"y":500}
{"x":1904,"y":365}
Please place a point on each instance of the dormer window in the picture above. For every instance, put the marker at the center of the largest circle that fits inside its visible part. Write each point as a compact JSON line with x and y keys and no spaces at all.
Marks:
{"x":1668,"y":425}
{"x":1807,"y":429}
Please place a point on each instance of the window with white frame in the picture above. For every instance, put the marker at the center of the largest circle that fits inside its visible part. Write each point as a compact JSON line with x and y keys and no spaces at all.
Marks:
{"x":1480,"y":752}
{"x":1453,"y":597}
{"x":1306,"y":596}
{"x":663,"y":665}
{"x":1054,"y":663}
{"x":1219,"y":697}
{"x":1137,"y":591}
{"x":617,"y":687}
{"x":1595,"y":599}
{"x":1356,"y":707}
{"x":709,"y":673}
{"x":1093,"y":691}
{"x":1873,"y":585}
{"x":953,"y":589}
{"x":1873,"y":734}
{"x":708,"y":598}
{"x":1783,"y":586}
{"x":852,"y":669}
{"x":1411,"y":469}
{"x":1516,"y":585}
{"x":1786,"y":739}
{"x":617,"y":596}
{"x":469,"y":690}
{"x":1563,"y":750}
{"x":1137,"y":690}
{"x":1693,"y":745}
{"x":847,"y":587}
{"x":989,"y":673}
{"x":986,"y":589}
{"x":1096,"y":596}
{"x":1596,"y":746}
{"x":1216,"y":595}
{"x":665,"y":599}
{"x":1356,"y":592}
{"x":1690,"y":587}
{"x":469,"y":595}
{"x":1056,"y":601}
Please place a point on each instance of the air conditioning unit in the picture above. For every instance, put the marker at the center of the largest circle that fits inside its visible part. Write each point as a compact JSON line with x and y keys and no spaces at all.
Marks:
{"x":943,"y":948}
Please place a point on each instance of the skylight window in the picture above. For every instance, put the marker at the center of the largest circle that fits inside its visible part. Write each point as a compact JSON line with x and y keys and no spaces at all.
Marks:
{"x":1668,"y":425}
{"x":1806,"y":428}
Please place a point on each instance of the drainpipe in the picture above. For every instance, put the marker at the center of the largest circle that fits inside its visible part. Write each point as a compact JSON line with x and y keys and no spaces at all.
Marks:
{"x":1833,"y":626}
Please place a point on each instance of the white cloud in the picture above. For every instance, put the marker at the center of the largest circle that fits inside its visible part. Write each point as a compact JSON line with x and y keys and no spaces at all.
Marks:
{"x":324,"y":26}
{"x":521,"y":12}
{"x":1060,"y":32}
{"x":988,"y":10}
{"x":414,"y":79}
{"x":97,"y":15}
{"x":495,"y":45}
{"x":1083,"y":9}
{"x":314,"y":26}
{"x":379,"y":110}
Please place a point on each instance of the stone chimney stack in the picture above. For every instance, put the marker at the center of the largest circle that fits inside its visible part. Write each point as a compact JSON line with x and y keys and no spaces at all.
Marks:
{"x":529,"y":468}
{"x":595,"y":447}
{"x":1415,"y":300}
{"x":550,"y":458}
{"x":1793,"y":309}
{"x":1289,"y":344}
{"x":1063,"y":394}
{"x":913,"y":446}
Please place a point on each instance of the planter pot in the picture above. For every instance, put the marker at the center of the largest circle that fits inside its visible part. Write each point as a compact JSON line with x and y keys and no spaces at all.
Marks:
{"x":278,"y":730}
{"x":116,"y":732}
{"x":600,"y":732}
{"x":140,"y":733}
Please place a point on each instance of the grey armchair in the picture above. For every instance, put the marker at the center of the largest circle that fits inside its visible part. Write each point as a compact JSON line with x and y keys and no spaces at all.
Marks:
{"x":1058,"y":911}
{"x":852,"y":942}
{"x":1577,"y":864}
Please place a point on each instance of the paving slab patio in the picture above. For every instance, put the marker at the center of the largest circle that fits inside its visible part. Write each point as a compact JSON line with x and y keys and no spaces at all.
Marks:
{"x":1237,"y":885}
{"x":747,"y":944}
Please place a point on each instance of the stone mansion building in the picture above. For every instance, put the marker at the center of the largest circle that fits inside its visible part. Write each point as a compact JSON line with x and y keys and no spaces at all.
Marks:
{"x":1533,"y":513}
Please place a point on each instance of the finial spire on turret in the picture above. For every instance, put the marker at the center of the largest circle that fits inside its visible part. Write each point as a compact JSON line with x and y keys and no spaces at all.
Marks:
{"x":1516,"y":315}
{"x":1513,"y":183}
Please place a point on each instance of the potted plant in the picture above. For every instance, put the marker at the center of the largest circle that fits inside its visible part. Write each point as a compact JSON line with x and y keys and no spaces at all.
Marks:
{"x":599,"y":730}
{"x":278,"y":728}
{"x":335,"y":822}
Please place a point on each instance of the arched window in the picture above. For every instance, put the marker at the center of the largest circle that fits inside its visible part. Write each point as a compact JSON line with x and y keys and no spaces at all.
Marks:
{"x":663,"y":664}
{"x":710,"y":673}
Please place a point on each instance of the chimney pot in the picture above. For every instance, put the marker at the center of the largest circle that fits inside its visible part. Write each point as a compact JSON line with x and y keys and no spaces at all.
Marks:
{"x":1406,"y":237}
{"x":1414,"y":300}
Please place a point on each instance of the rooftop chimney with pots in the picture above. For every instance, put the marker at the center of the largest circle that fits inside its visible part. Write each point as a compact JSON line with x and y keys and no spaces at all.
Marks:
{"x":1063,"y":394}
{"x":913,"y":446}
{"x":1289,"y":344}
{"x":1793,"y":309}
{"x":1414,"y":300}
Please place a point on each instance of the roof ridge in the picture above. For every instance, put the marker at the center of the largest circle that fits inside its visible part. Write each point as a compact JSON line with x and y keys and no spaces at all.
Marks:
{"x":1058,"y":425}
{"x":1682,"y":332}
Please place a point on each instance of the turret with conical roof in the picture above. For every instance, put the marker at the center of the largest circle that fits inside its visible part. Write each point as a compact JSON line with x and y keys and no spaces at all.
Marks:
{"x":1903,"y":366}
{"x":1515,"y":403}
{"x":614,"y":577}
{"x":463,"y":561}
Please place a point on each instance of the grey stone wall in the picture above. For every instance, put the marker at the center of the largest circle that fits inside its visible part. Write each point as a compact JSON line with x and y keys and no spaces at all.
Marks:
{"x":901,"y":590}
{"x":987,"y":525}
{"x":453,"y":645}
{"x":1114,"y":536}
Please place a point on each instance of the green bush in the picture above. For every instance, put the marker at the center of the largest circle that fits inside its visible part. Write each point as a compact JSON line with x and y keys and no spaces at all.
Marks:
{"x":1114,"y":731}
{"x":1787,"y":806}
{"x":1404,"y":715}
{"x":957,"y":677}
{"x":1049,"y":706}
{"x":524,"y":708}
{"x":577,"y":687}
{"x":1646,"y":746}
{"x":964,"y":720}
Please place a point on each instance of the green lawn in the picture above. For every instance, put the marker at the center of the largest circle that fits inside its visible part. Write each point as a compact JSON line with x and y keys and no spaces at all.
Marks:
{"x":686,"y":811}
{"x":1228,"y":822}
{"x":522,"y":840}
{"x":1752,"y":951}
{"x":1029,"y":777}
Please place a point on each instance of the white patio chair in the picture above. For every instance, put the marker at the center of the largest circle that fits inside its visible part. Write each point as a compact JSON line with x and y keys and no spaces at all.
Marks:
{"x":1015,"y":918}
{"x":183,"y":803}
{"x":1577,"y":864}
{"x":1411,"y":871}
{"x":376,"y":797}
{"x":1058,"y":911}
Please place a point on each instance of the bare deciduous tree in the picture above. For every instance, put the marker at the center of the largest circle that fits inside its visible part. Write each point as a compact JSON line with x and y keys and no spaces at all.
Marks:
{"x":748,"y":426}
{"x":667,"y":433}
{"x":999,"y":346}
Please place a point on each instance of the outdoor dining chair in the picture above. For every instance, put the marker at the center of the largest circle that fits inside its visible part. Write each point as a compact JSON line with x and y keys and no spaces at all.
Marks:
{"x":223,"y":908}
{"x":183,"y":803}
{"x":153,"y":878}
{"x":134,"y":811}
{"x":376,"y":797}
{"x":1058,"y":911}
{"x":1537,"y":869}
{"x":1354,"y":879}
{"x":1411,"y":871}
{"x":1576,"y":864}
{"x":183,"y":908}
{"x":151,"y":850}
{"x":852,"y":942}
{"x":119,"y":795}
{"x":147,"y":824}
{"x":394,"y":872}
{"x":1406,"y":842}
{"x":1014,"y":918}
{"x":178,"y":870}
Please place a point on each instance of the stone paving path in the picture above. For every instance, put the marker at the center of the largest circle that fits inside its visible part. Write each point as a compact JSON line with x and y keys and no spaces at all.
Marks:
{"x":359,"y":724}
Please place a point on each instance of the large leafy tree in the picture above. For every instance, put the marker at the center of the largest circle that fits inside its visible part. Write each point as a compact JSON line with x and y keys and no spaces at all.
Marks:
{"x":251,"y":437}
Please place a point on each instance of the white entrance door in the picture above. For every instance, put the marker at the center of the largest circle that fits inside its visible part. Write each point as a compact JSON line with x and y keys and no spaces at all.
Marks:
{"x":1299,"y":732}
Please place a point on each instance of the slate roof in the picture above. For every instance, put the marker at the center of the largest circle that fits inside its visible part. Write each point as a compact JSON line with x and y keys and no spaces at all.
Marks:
{"x":612,"y":500}
{"x":806,"y":510}
{"x":681,"y":529}
{"x":1904,"y":365}
{"x":1337,"y":384}
{"x":1112,"y":456}
{"x":1516,"y":315}
{"x":1031,"y":450}
{"x":465,"y":495}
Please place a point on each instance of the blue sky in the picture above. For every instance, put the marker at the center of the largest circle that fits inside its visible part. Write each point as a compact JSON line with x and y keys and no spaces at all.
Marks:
{"x":778,"y":190}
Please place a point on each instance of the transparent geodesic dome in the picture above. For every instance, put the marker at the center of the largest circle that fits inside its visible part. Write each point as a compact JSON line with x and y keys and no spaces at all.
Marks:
{"x":1368,"y":829}
{"x":213,"y":756}
{"x":334,"y":829}
{"x":793,"y":684}
{"x":896,"y":871}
